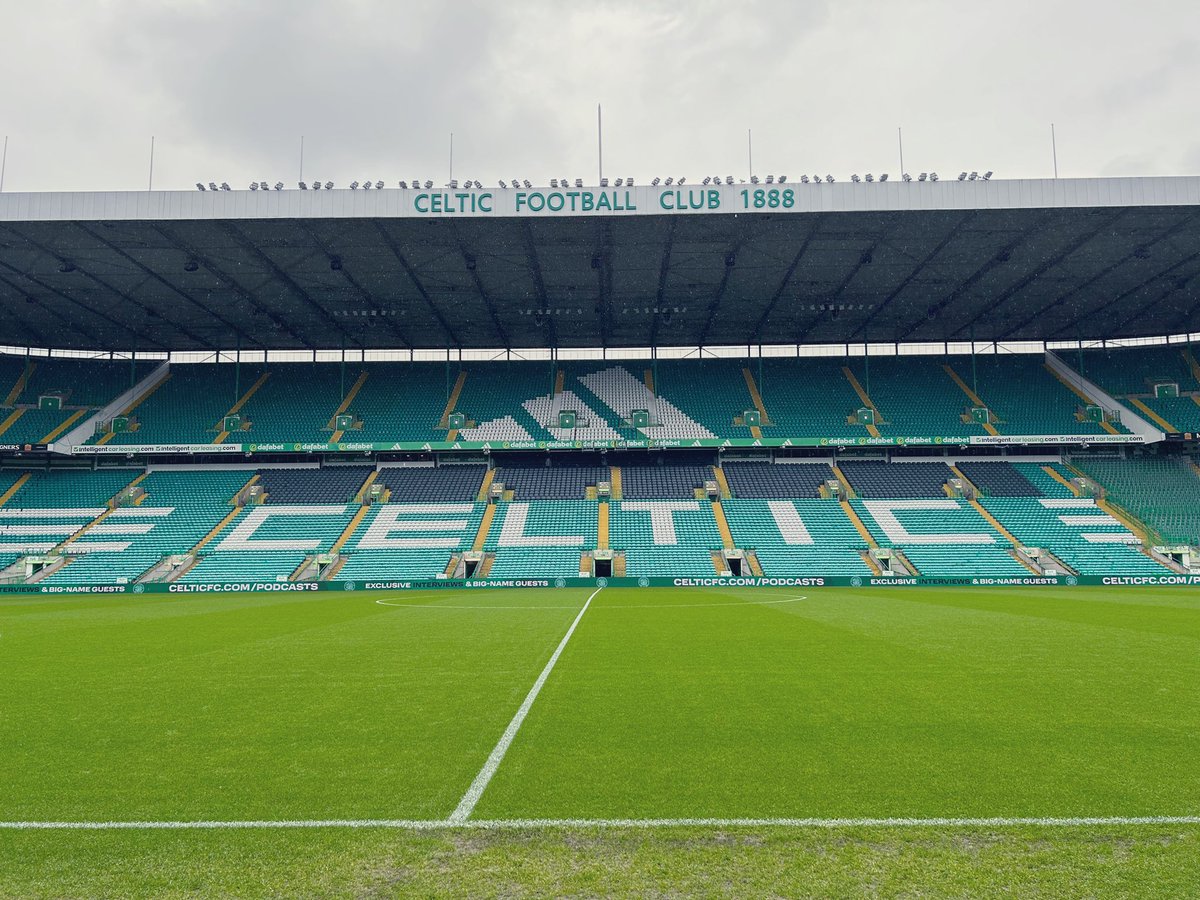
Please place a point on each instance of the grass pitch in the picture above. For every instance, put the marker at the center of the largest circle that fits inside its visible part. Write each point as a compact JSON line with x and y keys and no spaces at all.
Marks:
{"x":665,"y":704}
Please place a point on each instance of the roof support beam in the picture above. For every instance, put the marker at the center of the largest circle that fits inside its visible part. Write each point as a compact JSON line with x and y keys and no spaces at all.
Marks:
{"x":284,"y":278}
{"x":790,"y":272}
{"x":912,"y":276}
{"x":863,"y":260}
{"x":120,"y":326}
{"x":1169,"y":289}
{"x":416,"y":281}
{"x":155,"y":276}
{"x":127,"y":296}
{"x":664,"y":272}
{"x":363,"y":292}
{"x":730,"y":260}
{"x":1030,"y":277}
{"x":539,"y":283}
{"x":469,"y":261}
{"x":1080,"y":288}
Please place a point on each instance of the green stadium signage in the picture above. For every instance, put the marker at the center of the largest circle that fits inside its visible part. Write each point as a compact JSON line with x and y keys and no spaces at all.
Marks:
{"x":615,"y":201}
{"x":797,"y":581}
{"x":631,"y":444}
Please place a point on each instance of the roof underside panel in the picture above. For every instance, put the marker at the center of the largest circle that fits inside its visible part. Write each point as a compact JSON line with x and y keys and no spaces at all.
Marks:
{"x":814,"y":277}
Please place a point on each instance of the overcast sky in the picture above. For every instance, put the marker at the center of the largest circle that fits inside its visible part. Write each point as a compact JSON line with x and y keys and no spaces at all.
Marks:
{"x":376,"y":88}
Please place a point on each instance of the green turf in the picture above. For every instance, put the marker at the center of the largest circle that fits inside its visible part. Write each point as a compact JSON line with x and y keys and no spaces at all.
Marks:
{"x":666,"y":703}
{"x":257,"y":706}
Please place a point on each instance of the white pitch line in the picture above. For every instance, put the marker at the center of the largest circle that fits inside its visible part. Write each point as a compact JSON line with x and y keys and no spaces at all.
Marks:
{"x":467,"y":804}
{"x":516,"y":824}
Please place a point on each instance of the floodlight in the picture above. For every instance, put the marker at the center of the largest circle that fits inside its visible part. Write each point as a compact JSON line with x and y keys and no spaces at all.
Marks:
{"x":212,"y":186}
{"x":279,"y":185}
{"x":883,"y":177}
{"x":264,"y":186}
{"x":379,"y":185}
{"x":962,"y":176}
{"x":619,"y":182}
{"x":428,"y":184}
{"x":254,"y":185}
{"x":754,"y":179}
{"x":453,"y":183}
{"x":553,"y":182}
{"x":933,"y":176}
{"x":578,"y":182}
{"x":782,"y":179}
{"x":855,"y":179}
{"x":527,"y":184}
{"x":681,"y":181}
{"x":225,"y":186}
{"x":829,"y":179}
{"x":628,"y":182}
{"x":987,"y":176}
{"x":502,"y":184}
{"x":303,"y":186}
{"x":804,"y":178}
{"x":729,"y":179}
{"x":705,"y":181}
{"x":654,"y":182}
{"x":354,"y":185}
{"x":870,"y":177}
{"x":329,"y":185}
{"x":922,"y":176}
{"x":603,"y":182}
{"x":770,"y":179}
{"x":200,"y":187}
{"x":973,"y":176}
{"x":907,"y":177}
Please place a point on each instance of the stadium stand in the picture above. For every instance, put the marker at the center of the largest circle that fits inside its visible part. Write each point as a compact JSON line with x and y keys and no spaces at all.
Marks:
{"x":809,"y":397}
{"x":179,"y":508}
{"x":72,"y":488}
{"x":560,"y":482}
{"x":1076,"y":531}
{"x":188,"y":407}
{"x":710,"y":392}
{"x":764,"y":480}
{"x":1028,"y":399}
{"x":332,"y":484}
{"x":663,"y":482}
{"x":243,"y":568}
{"x":998,"y":479}
{"x":541,"y":524}
{"x":797,"y":537}
{"x":1039,"y":475}
{"x":1130,"y":374}
{"x":942,"y":538}
{"x":397,"y":402}
{"x":896,"y":481}
{"x":665,"y":537}
{"x":426,"y":484}
{"x":916,"y":396}
{"x":79,"y":385}
{"x":1162,"y":493}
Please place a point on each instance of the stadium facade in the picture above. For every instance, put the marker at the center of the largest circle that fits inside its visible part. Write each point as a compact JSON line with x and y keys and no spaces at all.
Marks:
{"x":898,"y":382}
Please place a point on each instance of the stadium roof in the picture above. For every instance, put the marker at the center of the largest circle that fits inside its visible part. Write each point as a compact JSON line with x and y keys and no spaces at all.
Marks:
{"x":847,"y":262}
